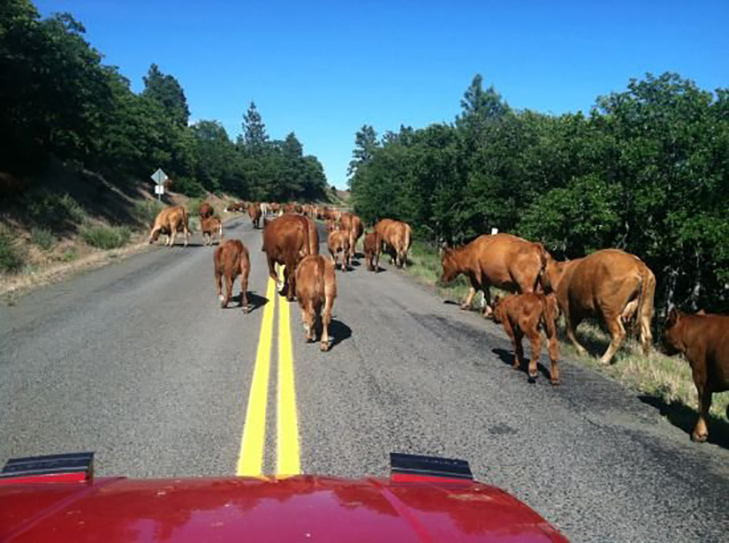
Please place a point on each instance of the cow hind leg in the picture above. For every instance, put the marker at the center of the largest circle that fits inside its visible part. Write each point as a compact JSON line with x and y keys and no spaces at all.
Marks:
{"x":228,"y":290}
{"x":326,"y":319}
{"x":571,"y":325}
{"x":218,"y":284}
{"x":535,"y":340}
{"x":244,"y":290}
{"x":617,"y":334}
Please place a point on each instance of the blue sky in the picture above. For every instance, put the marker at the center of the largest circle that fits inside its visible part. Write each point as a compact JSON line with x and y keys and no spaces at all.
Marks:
{"x":323,"y":69}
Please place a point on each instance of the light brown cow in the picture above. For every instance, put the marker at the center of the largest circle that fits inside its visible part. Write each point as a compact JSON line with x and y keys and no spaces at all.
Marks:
{"x":524,"y":315}
{"x":286,"y":240}
{"x":206,"y":211}
{"x":372,"y":250}
{"x":209,"y":227}
{"x":338,"y":242}
{"x":397,"y":237}
{"x":316,"y":286}
{"x":169,"y":222}
{"x":352,"y":225}
{"x":502,"y":260}
{"x":254,"y":212}
{"x":704,"y":340}
{"x":603,"y":285}
{"x":231,"y":259}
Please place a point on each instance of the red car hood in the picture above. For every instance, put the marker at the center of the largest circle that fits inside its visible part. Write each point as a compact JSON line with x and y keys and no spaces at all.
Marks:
{"x":304,"y":508}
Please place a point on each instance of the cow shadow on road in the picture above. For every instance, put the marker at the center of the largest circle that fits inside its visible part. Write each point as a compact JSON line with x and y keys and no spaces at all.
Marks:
{"x":507,"y":357}
{"x":685,"y":418}
{"x":339,"y":332}
{"x":254,"y":301}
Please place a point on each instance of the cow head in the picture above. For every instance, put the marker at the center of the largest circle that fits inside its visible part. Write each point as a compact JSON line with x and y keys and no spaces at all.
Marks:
{"x":450,"y":266}
{"x":496,"y":307}
{"x":672,"y":333}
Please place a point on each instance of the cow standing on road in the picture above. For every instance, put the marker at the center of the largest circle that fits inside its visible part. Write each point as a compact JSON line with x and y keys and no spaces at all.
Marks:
{"x":704,"y":340}
{"x":351,"y":224}
{"x":231,"y":259}
{"x":397,"y":237}
{"x":254,"y":212}
{"x":338,"y":243}
{"x":372,"y":251}
{"x":206,"y":211}
{"x":316,"y":289}
{"x":170,"y":221}
{"x":209,"y":227}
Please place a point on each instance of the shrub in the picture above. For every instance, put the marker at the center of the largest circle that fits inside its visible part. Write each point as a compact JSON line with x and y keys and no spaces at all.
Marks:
{"x":146,"y":212}
{"x":193,"y":206}
{"x":189,"y":187}
{"x":43,"y":238}
{"x":53,"y":209}
{"x":10,"y":258}
{"x":105,"y":237}
{"x":69,"y":255}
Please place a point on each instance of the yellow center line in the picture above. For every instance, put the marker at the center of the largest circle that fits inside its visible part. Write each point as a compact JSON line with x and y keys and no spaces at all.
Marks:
{"x":287,"y":452}
{"x":250,"y":458}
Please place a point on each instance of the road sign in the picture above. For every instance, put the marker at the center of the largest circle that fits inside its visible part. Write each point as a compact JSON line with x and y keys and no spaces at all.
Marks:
{"x":159,"y":176}
{"x":159,"y":189}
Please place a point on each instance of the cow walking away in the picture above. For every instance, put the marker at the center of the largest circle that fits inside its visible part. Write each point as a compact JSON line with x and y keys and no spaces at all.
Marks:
{"x":397,"y":237}
{"x":316,"y":289}
{"x":254,"y":212}
{"x":209,"y":227}
{"x":338,"y":242}
{"x":352,"y":225}
{"x":524,"y":315}
{"x":170,"y":221}
{"x":505,"y":261}
{"x":704,"y":340}
{"x":286,"y":240}
{"x":372,"y":250}
{"x":231,"y":259}
{"x":609,"y":284}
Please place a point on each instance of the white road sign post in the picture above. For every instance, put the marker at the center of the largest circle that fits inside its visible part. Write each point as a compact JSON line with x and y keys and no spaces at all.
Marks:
{"x":159,"y":177}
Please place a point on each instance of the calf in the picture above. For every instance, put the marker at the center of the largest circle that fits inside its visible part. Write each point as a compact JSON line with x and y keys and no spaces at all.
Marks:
{"x":211,"y":226}
{"x":254,"y":212}
{"x":704,"y":340}
{"x":231,"y":259}
{"x":169,"y":221}
{"x":206,"y":211}
{"x":524,"y":315}
{"x":372,"y":251}
{"x":316,"y":286}
{"x":338,"y":242}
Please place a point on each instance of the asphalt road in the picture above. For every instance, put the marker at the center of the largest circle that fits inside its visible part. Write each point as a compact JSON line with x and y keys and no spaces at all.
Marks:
{"x":137,"y":362}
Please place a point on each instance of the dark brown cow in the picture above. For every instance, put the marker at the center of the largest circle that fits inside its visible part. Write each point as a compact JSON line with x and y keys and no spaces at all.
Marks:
{"x":254,"y":212}
{"x":275,"y":208}
{"x":502,"y":260}
{"x":237,"y":206}
{"x":289,"y":208}
{"x":524,"y":315}
{"x":209,"y":227}
{"x":609,"y":284}
{"x":352,"y":225}
{"x":372,"y":250}
{"x":169,"y":222}
{"x":231,"y":260}
{"x":397,"y":237}
{"x":206,"y":211}
{"x":331,"y":225}
{"x":286,"y":240}
{"x":316,"y":286}
{"x":704,"y":341}
{"x":338,"y":242}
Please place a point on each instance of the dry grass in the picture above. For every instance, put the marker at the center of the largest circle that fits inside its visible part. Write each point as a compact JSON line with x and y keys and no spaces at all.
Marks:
{"x":666,"y":378}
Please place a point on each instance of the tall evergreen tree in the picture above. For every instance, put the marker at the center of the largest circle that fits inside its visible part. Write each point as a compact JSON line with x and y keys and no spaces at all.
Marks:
{"x":167,"y":91}
{"x":365,"y":142}
{"x":254,"y":131}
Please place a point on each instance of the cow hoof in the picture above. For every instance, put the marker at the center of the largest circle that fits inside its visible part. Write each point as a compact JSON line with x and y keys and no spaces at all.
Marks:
{"x":532,"y":379}
{"x":324,"y":347}
{"x":221,"y":298}
{"x":465,"y":307}
{"x":246,"y":309}
{"x":699,"y":438}
{"x":555,"y":382}
{"x":279,"y":286}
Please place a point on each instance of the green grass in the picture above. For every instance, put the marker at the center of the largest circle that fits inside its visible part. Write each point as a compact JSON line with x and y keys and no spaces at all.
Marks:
{"x":665,"y":378}
{"x":193,"y":206}
{"x":105,"y":237}
{"x":43,"y":238}
{"x":146,"y":211}
{"x":11,"y":260}
{"x":69,"y":255}
{"x":53,"y":209}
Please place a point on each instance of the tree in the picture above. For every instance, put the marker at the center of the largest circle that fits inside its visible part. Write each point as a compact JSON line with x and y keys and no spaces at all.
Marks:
{"x":480,"y":106}
{"x":254,"y":131}
{"x":365,"y":143}
{"x":168,"y":92}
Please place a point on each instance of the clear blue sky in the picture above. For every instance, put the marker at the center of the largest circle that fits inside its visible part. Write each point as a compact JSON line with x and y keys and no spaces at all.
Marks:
{"x":323,"y":69}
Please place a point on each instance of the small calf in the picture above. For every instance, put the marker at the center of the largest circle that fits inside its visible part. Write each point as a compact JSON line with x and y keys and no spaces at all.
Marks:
{"x":231,"y":259}
{"x":316,"y":286}
{"x":373,"y":250}
{"x":210,"y":226}
{"x":704,"y":340}
{"x":338,"y":242}
{"x":525,"y":314}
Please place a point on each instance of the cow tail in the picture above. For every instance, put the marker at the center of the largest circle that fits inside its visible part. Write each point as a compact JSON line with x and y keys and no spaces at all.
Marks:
{"x":543,"y":258}
{"x":549,"y":314}
{"x":646,"y":295}
{"x":307,"y":249}
{"x":320,"y":283}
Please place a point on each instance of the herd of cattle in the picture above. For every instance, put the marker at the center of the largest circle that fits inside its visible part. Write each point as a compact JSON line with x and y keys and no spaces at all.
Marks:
{"x":610,"y":285}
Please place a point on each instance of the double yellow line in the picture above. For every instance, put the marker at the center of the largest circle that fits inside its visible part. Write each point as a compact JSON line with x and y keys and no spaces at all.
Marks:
{"x":251,"y":456}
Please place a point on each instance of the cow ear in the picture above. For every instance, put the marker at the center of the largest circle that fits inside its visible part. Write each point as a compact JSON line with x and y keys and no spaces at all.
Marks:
{"x":673,"y":316}
{"x":444,"y":248}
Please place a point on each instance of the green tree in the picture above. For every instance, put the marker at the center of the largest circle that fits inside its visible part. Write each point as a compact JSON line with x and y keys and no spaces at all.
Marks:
{"x":365,"y":143}
{"x":168,"y":92}
{"x":255,"y":137}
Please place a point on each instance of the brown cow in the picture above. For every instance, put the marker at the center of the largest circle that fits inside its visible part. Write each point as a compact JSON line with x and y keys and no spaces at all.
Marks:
{"x":338,"y":242}
{"x":316,"y":285}
{"x":254,"y":212}
{"x":502,"y":260}
{"x":206,"y":211}
{"x":704,"y":341}
{"x":231,"y":259}
{"x":209,"y":227}
{"x":524,"y":315}
{"x":372,"y":250}
{"x":397,"y":237}
{"x":169,"y":222}
{"x":275,"y":208}
{"x":286,"y":240}
{"x":237,"y":206}
{"x":352,"y":225}
{"x":603,"y":285}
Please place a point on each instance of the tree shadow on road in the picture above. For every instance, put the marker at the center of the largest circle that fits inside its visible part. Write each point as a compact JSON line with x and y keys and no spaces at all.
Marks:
{"x":507,"y":357}
{"x":685,"y":418}
{"x":338,"y":331}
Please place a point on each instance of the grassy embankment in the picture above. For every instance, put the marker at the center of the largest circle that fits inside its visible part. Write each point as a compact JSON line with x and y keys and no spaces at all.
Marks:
{"x":666,"y":380}
{"x":71,"y":220}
